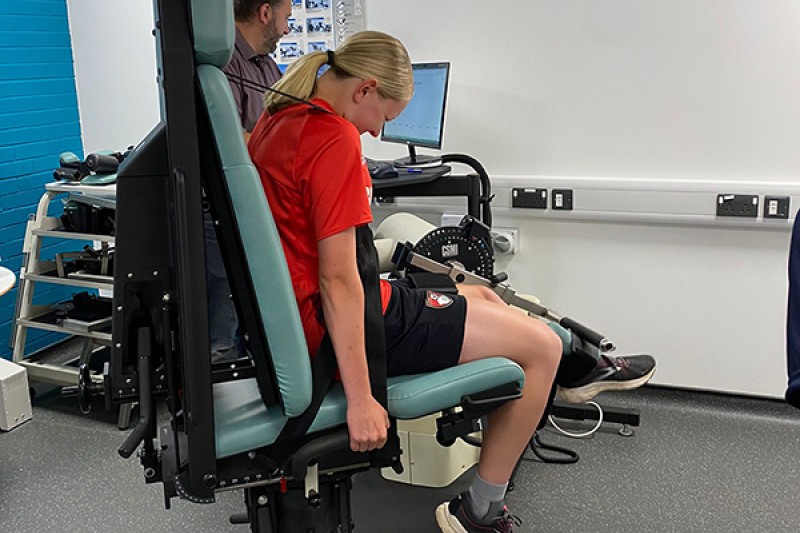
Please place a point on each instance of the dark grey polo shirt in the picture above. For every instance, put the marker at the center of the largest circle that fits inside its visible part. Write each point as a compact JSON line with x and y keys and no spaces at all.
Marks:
{"x":262,"y":70}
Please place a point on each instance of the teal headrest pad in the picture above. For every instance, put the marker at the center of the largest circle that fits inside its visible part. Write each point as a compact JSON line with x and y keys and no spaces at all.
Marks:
{"x":214,"y":31}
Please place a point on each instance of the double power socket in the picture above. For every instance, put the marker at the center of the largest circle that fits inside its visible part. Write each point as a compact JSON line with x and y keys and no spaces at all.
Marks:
{"x":746,"y":205}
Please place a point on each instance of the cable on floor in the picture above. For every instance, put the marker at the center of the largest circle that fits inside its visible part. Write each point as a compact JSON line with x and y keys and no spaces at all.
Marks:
{"x":568,"y":456}
{"x":585,"y":434}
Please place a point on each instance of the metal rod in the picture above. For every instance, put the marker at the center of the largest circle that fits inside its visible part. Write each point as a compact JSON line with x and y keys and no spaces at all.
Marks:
{"x":456,"y":272}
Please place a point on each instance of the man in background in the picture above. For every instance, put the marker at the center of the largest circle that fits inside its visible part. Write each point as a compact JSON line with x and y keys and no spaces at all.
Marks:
{"x":260,"y":25}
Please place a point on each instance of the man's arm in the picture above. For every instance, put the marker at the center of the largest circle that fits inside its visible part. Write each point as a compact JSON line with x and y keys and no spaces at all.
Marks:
{"x":343,"y":308}
{"x":233,"y":71}
{"x":238,"y":96}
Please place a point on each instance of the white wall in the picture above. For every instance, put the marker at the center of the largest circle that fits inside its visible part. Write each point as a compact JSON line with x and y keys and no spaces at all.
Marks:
{"x":115,"y":70}
{"x":684,"y":88}
{"x":708,"y":302}
{"x":543,"y":89}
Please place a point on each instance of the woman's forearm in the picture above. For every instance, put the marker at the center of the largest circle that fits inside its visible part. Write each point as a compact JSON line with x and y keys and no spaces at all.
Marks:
{"x":343,"y":308}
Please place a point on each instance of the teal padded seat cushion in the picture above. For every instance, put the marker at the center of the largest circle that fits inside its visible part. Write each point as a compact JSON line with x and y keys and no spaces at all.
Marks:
{"x":422,"y":394}
{"x":263,"y":251}
{"x":214,"y":31}
{"x":243,"y":423}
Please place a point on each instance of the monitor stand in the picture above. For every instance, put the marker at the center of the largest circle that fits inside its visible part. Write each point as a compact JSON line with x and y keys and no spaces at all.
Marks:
{"x":419,"y":161}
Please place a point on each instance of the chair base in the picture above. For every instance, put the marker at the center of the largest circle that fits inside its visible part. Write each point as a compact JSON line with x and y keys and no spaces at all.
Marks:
{"x":425,"y":462}
{"x":286,"y":509}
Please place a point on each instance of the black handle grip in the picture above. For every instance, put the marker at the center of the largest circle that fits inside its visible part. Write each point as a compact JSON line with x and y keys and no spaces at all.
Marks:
{"x":102,"y":164}
{"x":144,"y":429}
{"x":588,"y":335}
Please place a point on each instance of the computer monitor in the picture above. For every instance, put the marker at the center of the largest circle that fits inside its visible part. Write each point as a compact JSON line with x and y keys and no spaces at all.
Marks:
{"x":422,"y":122}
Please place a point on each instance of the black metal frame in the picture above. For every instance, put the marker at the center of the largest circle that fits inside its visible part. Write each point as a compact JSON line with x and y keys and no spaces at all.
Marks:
{"x":468,"y":185}
{"x":160,"y":280}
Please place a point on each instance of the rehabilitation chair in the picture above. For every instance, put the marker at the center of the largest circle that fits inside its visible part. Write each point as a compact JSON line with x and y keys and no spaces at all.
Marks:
{"x":207,"y":429}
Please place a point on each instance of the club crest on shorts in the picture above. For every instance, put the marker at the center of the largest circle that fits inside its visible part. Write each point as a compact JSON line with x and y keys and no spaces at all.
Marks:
{"x":436,"y":300}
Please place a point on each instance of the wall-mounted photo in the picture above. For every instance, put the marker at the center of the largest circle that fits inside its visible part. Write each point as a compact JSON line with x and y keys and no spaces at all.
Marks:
{"x":295,"y":26}
{"x":290,"y":51}
{"x":318,"y":25}
{"x":318,"y":4}
{"x":318,"y":46}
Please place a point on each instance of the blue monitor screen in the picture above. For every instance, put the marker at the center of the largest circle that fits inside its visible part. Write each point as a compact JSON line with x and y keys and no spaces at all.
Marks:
{"x":422,"y":121}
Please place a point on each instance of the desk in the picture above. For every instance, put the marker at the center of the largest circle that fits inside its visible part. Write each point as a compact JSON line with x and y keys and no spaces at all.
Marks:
{"x":433,"y":182}
{"x":7,"y":280}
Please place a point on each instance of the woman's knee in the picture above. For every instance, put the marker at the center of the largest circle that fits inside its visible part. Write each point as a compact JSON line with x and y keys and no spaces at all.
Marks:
{"x":556,"y":346}
{"x":492,"y":330}
{"x":548,"y":346}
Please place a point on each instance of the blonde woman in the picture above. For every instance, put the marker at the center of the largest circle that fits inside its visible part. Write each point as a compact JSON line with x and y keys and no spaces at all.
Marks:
{"x":310,"y":162}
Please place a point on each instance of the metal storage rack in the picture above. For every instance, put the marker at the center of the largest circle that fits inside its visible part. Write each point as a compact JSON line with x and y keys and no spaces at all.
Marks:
{"x":36,"y":270}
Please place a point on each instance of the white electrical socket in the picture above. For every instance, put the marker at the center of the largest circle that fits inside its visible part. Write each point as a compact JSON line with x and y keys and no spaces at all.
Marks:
{"x":505,"y":241}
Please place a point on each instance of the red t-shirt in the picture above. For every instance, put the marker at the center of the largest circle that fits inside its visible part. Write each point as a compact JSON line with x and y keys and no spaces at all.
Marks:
{"x":317,"y":186}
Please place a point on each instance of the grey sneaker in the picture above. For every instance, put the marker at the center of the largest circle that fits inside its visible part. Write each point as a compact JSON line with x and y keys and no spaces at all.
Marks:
{"x":456,"y":516}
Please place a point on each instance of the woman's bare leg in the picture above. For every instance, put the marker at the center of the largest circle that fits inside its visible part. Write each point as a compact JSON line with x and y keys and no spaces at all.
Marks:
{"x":495,"y":329}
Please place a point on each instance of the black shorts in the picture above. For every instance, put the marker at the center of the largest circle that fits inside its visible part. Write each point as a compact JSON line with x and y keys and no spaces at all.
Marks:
{"x":424,"y":330}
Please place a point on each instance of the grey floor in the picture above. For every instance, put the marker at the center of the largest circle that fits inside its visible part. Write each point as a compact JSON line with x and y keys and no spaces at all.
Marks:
{"x":698,"y":462}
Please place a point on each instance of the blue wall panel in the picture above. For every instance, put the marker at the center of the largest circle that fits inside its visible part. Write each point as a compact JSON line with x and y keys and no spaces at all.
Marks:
{"x":38,"y":120}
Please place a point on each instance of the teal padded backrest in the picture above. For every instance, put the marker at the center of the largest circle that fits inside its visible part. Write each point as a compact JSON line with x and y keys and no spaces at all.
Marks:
{"x":263,"y":251}
{"x":214,"y":31}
